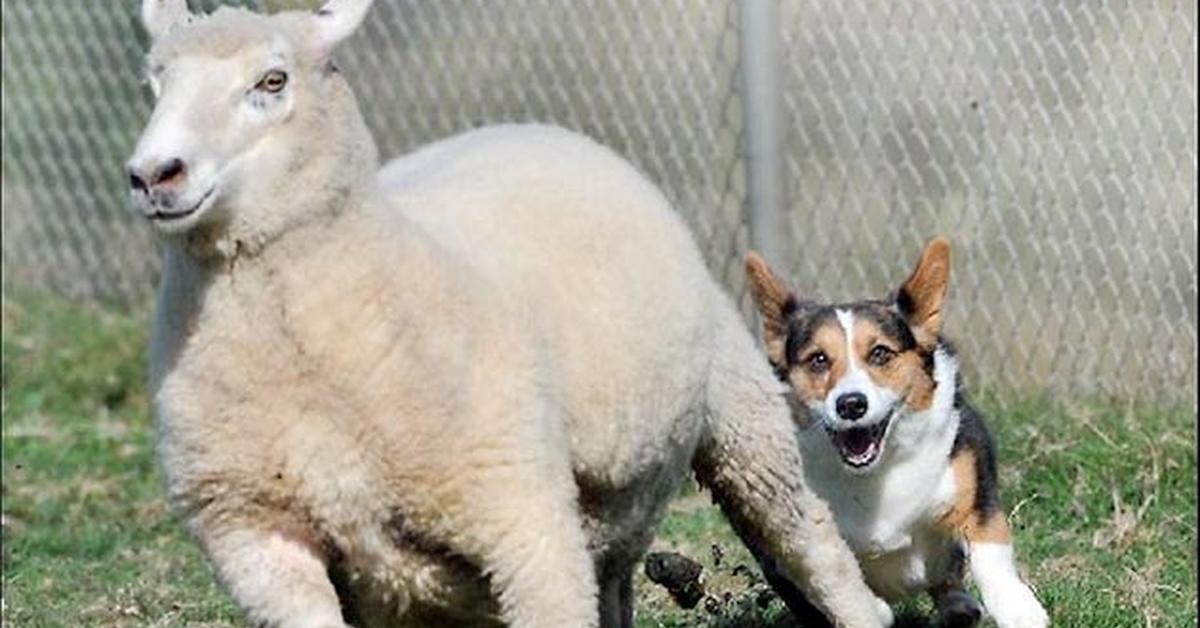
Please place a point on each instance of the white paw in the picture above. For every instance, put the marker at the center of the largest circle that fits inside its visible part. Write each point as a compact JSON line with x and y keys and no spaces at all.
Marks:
{"x":884,"y":612}
{"x":1017,"y":608}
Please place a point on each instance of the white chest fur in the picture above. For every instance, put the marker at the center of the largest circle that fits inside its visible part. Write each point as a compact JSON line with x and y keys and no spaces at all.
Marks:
{"x":889,"y":518}
{"x":879,"y":513}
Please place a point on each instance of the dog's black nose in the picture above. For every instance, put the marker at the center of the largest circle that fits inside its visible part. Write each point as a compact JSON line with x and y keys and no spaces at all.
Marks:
{"x":852,"y":406}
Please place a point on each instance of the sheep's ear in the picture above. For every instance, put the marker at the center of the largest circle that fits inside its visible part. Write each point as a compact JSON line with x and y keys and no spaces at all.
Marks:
{"x":921,"y":297}
{"x":775,"y":303}
{"x":160,"y":16}
{"x":337,"y":20}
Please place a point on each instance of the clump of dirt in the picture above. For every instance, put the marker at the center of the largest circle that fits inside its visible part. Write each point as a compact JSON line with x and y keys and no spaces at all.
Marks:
{"x":681,"y":576}
{"x":736,"y":593}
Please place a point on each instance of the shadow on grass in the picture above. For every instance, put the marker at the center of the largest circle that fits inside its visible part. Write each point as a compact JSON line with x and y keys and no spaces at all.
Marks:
{"x":756,"y":620}
{"x":751,"y":611}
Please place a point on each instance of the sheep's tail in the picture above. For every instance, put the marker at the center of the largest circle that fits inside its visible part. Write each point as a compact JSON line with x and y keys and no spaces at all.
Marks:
{"x":749,"y":459}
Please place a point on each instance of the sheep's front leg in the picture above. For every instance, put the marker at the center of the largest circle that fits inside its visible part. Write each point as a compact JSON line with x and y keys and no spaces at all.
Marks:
{"x":277,"y":580}
{"x":523,"y":526}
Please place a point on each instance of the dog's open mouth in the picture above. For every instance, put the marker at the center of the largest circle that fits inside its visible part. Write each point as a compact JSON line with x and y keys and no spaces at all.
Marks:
{"x":860,"y":446}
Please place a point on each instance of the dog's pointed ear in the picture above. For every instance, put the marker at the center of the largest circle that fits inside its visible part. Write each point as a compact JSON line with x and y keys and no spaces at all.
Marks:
{"x":775,"y":302}
{"x":922,"y":295}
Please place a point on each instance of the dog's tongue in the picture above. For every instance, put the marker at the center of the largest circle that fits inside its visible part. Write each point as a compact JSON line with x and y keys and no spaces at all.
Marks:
{"x":857,"y":441}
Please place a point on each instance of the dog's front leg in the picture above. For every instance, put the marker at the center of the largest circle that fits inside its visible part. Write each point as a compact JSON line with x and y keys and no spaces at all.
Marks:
{"x":1007,"y":599}
{"x":976,"y":517}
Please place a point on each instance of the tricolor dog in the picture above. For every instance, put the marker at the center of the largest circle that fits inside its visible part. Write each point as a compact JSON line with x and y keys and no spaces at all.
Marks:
{"x":889,"y":440}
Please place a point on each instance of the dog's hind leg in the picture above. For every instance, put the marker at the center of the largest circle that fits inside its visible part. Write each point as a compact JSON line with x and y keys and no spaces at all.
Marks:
{"x":956,"y":608}
{"x":749,"y":459}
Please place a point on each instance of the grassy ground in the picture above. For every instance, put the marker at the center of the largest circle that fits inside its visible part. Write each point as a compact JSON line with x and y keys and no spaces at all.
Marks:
{"x":1103,"y":498}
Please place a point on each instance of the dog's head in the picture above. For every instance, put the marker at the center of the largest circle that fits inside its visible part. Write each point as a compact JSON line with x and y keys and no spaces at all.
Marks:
{"x":858,"y":367}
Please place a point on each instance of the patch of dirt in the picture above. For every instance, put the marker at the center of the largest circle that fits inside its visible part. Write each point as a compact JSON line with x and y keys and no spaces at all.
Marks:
{"x":731,"y":591}
{"x":1141,"y":588}
{"x":1065,"y":567}
{"x":1121,"y":528}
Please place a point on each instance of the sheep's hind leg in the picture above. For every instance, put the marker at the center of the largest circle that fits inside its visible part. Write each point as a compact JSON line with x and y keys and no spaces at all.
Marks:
{"x":803,"y":610}
{"x":277,"y":580}
{"x":750,"y":461}
{"x":616,"y":601}
{"x":779,"y":518}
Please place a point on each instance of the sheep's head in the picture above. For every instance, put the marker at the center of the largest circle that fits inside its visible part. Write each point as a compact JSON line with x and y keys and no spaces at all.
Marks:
{"x":250,"y":116}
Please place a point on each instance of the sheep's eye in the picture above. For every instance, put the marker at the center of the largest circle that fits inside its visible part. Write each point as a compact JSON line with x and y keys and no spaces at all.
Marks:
{"x":817,"y":362}
{"x":272,"y":82}
{"x":880,"y":355}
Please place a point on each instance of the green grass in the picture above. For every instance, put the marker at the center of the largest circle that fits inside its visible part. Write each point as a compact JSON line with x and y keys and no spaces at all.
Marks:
{"x":1102,"y":496}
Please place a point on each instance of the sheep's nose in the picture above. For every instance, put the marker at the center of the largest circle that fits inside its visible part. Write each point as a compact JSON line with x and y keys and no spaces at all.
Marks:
{"x":169,"y":173}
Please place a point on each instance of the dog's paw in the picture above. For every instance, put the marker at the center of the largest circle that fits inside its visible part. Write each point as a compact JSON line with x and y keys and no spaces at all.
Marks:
{"x":1018,"y":608}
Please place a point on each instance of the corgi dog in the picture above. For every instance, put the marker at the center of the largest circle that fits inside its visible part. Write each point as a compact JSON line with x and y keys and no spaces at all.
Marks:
{"x":888,"y":439}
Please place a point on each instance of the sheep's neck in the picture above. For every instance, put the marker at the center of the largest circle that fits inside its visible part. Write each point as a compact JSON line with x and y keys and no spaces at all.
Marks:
{"x":221,"y":248}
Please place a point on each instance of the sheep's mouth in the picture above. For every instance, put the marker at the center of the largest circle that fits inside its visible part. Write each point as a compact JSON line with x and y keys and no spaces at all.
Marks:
{"x":161,"y":216}
{"x":860,"y":447}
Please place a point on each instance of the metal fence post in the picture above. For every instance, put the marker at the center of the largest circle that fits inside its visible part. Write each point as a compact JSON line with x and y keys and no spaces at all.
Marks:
{"x":763,"y":123}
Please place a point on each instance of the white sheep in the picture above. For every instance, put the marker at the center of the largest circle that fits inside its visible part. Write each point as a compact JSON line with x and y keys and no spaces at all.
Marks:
{"x":459,"y":394}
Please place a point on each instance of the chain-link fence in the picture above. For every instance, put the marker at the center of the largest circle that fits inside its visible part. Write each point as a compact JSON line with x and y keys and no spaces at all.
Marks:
{"x":1053,"y":142}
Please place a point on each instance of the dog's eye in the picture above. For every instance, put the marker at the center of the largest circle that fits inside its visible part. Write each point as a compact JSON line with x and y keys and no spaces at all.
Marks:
{"x":272,"y":82}
{"x":880,"y":355}
{"x":817,"y":362}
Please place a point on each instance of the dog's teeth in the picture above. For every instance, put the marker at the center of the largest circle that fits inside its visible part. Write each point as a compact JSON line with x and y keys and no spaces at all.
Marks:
{"x":860,"y":446}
